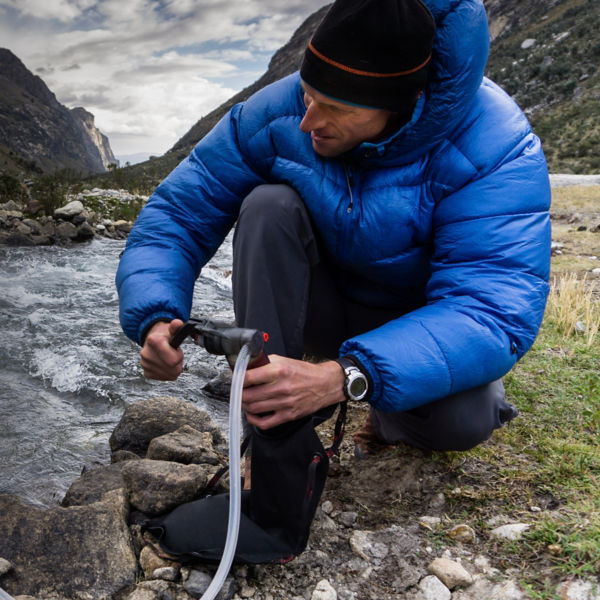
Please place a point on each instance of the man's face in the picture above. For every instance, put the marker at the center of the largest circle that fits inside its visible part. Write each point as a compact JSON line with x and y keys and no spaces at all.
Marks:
{"x":336,"y":127}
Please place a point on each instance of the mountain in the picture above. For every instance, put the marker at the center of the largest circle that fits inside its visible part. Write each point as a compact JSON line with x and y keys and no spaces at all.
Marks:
{"x":39,"y":134}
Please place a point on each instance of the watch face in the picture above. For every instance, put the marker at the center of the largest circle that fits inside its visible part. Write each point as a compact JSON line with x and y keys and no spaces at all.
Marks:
{"x":358,"y":387}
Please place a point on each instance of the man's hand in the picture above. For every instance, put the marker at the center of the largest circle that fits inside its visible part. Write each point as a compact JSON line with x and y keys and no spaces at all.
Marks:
{"x":288,"y":389}
{"x":158,"y":359}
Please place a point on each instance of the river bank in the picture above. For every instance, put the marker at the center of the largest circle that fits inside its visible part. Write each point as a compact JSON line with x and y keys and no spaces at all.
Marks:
{"x":84,"y":216}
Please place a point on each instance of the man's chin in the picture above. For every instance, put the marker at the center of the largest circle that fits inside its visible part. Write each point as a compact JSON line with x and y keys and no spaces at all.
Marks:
{"x":326,"y":151}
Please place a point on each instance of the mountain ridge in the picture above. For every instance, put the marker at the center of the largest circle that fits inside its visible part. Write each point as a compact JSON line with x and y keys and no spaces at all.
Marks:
{"x":38,"y":133}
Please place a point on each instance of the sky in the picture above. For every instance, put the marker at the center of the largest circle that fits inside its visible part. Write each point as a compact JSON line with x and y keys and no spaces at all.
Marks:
{"x":148,"y":69}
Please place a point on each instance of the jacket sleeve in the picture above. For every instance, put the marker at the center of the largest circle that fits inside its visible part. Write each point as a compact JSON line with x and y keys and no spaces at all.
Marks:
{"x":486,"y":294}
{"x":181,"y":227}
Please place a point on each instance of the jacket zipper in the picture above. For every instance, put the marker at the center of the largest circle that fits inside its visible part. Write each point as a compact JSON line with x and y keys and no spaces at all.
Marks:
{"x":347,"y":218}
{"x":350,"y":182}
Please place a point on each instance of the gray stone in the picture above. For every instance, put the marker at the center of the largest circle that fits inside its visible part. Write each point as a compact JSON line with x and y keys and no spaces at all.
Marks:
{"x":578,"y":589}
{"x":512,"y":531}
{"x":18,"y":239}
{"x":166,"y":573}
{"x":5,"y":566}
{"x":68,"y":211}
{"x":156,"y":486}
{"x":432,"y":588}
{"x":324,"y":591}
{"x":66,"y":230}
{"x":145,"y":420}
{"x":197,"y":583}
{"x":93,"y":484}
{"x":141,"y":594}
{"x":186,"y":445}
{"x":85,"y":231}
{"x":151,"y":562}
{"x":75,"y":552}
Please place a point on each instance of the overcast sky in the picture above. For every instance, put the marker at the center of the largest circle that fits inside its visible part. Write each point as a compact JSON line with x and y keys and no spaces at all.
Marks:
{"x":148,"y":69}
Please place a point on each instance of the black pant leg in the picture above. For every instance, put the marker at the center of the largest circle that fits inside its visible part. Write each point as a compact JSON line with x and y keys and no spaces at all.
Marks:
{"x":457,"y":422}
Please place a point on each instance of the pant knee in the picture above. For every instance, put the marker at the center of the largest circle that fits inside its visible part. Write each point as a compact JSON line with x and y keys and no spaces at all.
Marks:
{"x":458,"y":422}
{"x":269,"y":204}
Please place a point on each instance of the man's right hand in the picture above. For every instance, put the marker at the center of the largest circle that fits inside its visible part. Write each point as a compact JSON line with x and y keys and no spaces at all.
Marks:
{"x":158,"y":358}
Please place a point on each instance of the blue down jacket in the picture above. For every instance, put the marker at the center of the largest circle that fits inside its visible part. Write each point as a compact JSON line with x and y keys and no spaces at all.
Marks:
{"x":450,"y":214}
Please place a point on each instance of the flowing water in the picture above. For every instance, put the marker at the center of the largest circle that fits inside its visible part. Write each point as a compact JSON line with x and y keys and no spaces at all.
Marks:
{"x":67,"y":371}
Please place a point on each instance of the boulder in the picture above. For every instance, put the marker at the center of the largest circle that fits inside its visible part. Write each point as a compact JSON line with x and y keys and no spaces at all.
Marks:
{"x":156,"y":486}
{"x":79,"y":553}
{"x":186,"y":445}
{"x":66,"y":230}
{"x":69,"y":211}
{"x":145,"y":420}
{"x":93,"y":484}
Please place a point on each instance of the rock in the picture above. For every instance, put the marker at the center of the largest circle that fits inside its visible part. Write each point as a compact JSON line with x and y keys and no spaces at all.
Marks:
{"x":122,"y":456}
{"x":362,"y":544}
{"x":93,"y":484}
{"x":19,"y":239}
{"x":348,"y":518}
{"x":463,"y":533}
{"x":528,"y":43}
{"x":142,"y":594}
{"x":186,"y":445}
{"x":10,"y":206}
{"x":66,"y":230}
{"x":68,"y":211}
{"x":166,"y":573}
{"x":579,"y":590}
{"x":75,"y":552}
{"x":198,"y":582}
{"x":145,"y":420}
{"x":219,"y":386}
{"x":34,"y":207}
{"x":432,"y":588}
{"x":156,"y":486}
{"x":85,"y":231}
{"x":450,"y":573}
{"x":324,"y":591}
{"x":5,"y":566}
{"x":124,"y":226}
{"x":163,"y":590}
{"x":513,"y":531}
{"x":151,"y":562}
{"x":429,"y":523}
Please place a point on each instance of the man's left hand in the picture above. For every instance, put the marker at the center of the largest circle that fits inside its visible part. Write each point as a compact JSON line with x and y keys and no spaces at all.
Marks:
{"x":287,"y":389}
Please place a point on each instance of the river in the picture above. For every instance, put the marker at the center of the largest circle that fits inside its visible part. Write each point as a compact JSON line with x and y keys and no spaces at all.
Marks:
{"x":67,"y":371}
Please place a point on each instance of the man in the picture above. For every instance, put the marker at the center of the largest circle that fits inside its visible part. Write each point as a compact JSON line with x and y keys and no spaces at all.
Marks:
{"x":392,"y":216}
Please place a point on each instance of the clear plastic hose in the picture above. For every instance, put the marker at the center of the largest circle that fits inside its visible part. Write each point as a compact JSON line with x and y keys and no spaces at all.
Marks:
{"x":235,"y":490}
{"x":5,"y":596}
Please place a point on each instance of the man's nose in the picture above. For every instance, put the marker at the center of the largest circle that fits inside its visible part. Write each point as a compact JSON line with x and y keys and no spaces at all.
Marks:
{"x":313,"y":119}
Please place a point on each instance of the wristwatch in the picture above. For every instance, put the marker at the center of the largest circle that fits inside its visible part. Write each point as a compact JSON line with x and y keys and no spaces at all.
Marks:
{"x":356,"y":384}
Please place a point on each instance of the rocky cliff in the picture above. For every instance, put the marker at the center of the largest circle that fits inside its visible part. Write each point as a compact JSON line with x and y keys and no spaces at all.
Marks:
{"x":37,"y":133}
{"x":98,"y":140}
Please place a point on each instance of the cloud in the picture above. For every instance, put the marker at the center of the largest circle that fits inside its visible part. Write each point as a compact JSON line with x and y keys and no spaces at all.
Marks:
{"x":148,"y":69}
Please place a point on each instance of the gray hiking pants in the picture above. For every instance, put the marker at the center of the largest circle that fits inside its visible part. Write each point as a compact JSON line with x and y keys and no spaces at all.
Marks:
{"x":282,"y":285}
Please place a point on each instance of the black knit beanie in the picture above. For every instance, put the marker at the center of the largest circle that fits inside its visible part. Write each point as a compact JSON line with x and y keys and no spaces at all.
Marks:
{"x":372,"y":53}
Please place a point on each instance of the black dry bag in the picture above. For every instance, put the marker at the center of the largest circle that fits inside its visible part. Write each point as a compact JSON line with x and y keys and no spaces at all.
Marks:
{"x":289,"y":469}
